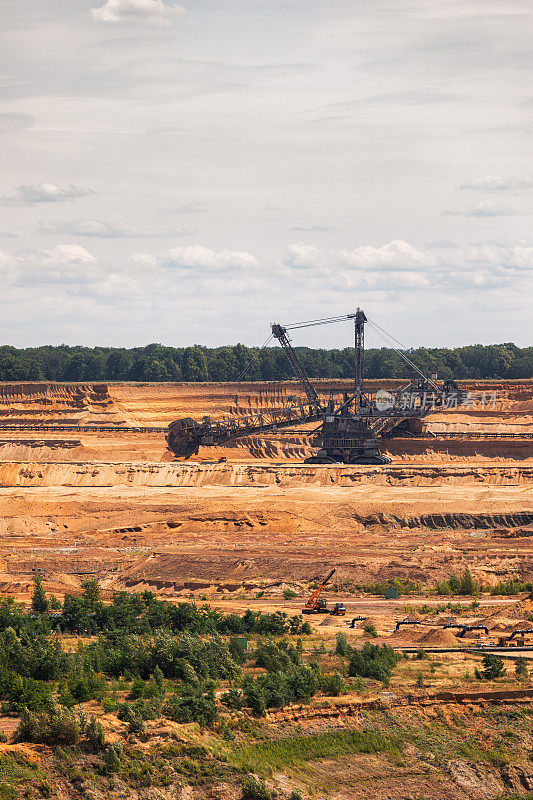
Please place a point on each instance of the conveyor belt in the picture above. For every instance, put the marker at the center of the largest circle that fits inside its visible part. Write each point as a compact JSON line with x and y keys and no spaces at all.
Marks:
{"x":81,"y":428}
{"x":477,"y":435}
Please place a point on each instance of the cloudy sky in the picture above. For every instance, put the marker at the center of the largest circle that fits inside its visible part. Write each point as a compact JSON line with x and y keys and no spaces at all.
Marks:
{"x":189,"y":173}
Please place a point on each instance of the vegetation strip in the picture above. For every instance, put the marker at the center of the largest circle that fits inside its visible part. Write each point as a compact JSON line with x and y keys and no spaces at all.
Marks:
{"x":267,"y":757}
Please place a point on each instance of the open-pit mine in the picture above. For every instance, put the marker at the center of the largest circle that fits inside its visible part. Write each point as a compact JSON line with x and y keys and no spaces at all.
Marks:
{"x":88,"y":487}
{"x":101,"y":512}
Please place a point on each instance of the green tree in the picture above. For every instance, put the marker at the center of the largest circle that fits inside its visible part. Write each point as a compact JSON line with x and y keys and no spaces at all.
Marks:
{"x":39,"y":600}
{"x":492,"y":667}
{"x":91,"y":591}
{"x":195,"y":364}
{"x":520,"y":668}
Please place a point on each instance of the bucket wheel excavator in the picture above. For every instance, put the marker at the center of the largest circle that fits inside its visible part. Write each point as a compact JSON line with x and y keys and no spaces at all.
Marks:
{"x":350,"y":428}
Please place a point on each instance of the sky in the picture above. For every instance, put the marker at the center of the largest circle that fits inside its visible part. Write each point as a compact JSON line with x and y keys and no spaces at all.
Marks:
{"x":189,"y":173}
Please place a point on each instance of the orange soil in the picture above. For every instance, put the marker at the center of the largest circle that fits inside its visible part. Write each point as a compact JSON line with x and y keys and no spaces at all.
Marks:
{"x":117,"y":505}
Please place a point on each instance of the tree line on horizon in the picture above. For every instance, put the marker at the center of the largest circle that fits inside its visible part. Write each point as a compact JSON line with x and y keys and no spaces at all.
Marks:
{"x":156,"y":362}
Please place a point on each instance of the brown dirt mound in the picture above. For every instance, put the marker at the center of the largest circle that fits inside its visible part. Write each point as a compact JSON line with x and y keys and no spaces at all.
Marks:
{"x":438,"y":637}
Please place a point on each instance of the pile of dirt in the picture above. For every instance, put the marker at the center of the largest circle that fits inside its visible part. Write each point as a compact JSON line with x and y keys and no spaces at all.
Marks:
{"x":437,"y":637}
{"x":423,"y":636}
{"x":523,"y":625}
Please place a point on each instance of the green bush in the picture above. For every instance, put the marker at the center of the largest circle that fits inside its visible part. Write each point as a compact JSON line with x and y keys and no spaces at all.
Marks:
{"x":373,"y":661}
{"x":252,"y":789}
{"x":95,"y":735}
{"x":26,"y":693}
{"x":465,"y":584}
{"x":108,"y":705}
{"x":276,"y":657}
{"x":520,"y":668}
{"x":370,"y":629}
{"x":289,"y":594}
{"x":113,"y":758}
{"x":332,"y":685}
{"x":492,"y":667}
{"x":55,"y":726}
{"x":342,"y":648}
{"x":192,"y":705}
{"x":278,"y":689}
{"x":513,"y":586}
{"x":238,"y":648}
{"x":233,"y":698}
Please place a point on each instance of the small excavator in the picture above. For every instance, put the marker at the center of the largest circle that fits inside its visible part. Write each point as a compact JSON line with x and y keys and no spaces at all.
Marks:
{"x":317,"y":605}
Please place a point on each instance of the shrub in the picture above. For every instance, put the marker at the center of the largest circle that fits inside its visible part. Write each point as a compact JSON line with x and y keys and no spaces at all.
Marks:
{"x":332,"y":684}
{"x":56,"y":726}
{"x":140,"y":708}
{"x":276,"y":657}
{"x":252,"y":789}
{"x":513,"y":586}
{"x":289,"y":594}
{"x":27,"y":693}
{"x":108,"y":705}
{"x":233,"y":698}
{"x":458,"y":585}
{"x":342,"y":648}
{"x":136,"y":726}
{"x":492,"y":667}
{"x":238,"y":649}
{"x":370,"y":629}
{"x":373,"y":661}
{"x":520,"y":667}
{"x":255,"y":697}
{"x":95,"y":734}
{"x":113,"y":758}
{"x":193,"y":705}
{"x":443,"y":588}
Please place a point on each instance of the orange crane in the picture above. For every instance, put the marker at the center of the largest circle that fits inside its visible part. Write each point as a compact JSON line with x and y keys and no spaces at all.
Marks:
{"x":314,"y":605}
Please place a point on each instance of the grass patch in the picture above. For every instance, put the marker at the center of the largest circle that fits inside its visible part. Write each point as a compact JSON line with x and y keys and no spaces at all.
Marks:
{"x":14,"y":771}
{"x":266,"y":757}
{"x":473,"y":752}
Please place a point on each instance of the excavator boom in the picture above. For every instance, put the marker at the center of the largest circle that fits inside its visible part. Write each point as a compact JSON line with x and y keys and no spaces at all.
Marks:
{"x":312,"y":604}
{"x":349,"y":430}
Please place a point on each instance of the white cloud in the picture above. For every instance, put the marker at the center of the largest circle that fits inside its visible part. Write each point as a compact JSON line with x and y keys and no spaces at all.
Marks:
{"x":486,"y":208}
{"x":396,"y":255}
{"x":108,"y":230}
{"x":198,"y":257}
{"x":63,"y":264}
{"x":493,"y":183}
{"x":43,"y":193}
{"x":154,"y":12}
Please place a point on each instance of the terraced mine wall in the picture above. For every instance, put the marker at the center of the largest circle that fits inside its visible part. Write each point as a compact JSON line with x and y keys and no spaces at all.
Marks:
{"x":193,"y":474}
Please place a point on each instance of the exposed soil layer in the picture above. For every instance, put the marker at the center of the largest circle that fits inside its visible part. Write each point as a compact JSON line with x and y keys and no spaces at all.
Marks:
{"x":118,"y":505}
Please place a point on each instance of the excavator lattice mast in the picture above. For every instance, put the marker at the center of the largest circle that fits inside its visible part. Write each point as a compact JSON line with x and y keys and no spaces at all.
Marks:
{"x":281,"y":335}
